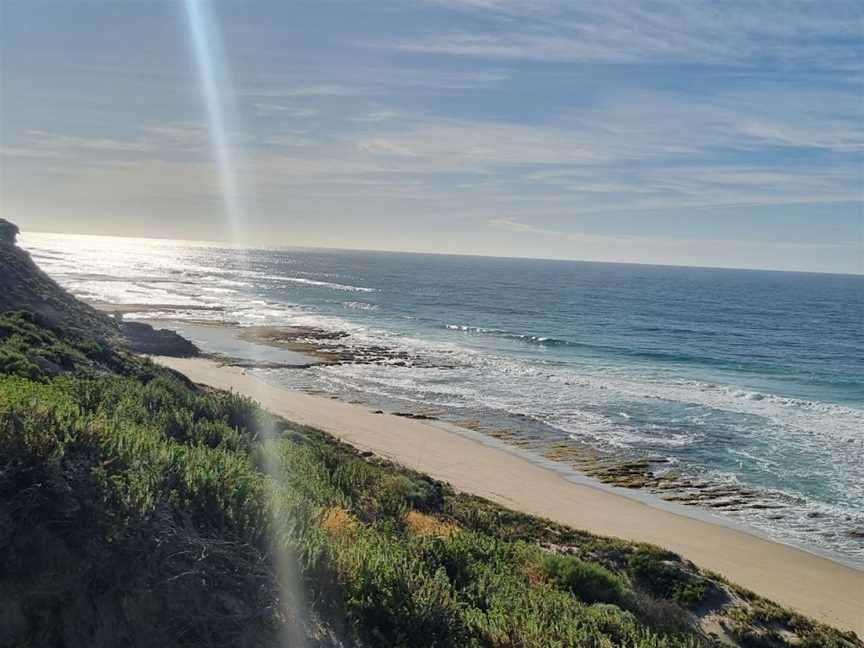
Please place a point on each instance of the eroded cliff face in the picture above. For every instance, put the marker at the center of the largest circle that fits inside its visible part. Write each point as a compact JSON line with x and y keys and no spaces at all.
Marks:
{"x":23,"y":286}
{"x":8,"y":231}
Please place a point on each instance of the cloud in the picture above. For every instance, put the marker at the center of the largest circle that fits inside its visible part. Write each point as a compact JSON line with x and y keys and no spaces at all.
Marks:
{"x":298,"y":139}
{"x":699,"y":185}
{"x":269,"y":109}
{"x":531,"y":47}
{"x":59,"y":142}
{"x":625,"y":128}
{"x":14,"y":151}
{"x":630,"y":151}
{"x":843,"y":134}
{"x":149,"y":140}
{"x":377,"y":116}
{"x":620,"y":31}
{"x":430,"y":78}
{"x":512,"y":225}
{"x":186,"y":135}
{"x":307,"y":90}
{"x":478,"y":146}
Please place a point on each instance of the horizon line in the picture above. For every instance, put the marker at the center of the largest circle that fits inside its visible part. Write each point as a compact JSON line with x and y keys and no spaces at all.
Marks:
{"x":215,"y":242}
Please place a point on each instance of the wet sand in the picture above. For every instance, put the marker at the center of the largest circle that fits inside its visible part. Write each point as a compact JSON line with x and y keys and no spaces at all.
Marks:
{"x":813,"y":585}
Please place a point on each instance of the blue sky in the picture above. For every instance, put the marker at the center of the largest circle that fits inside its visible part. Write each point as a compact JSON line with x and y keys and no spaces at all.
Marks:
{"x":717,"y":133}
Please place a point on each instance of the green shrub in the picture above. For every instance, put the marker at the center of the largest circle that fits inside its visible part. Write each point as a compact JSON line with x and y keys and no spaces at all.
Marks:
{"x":590,"y":582}
{"x":664,"y":580}
{"x":14,"y":363}
{"x":393,"y":596}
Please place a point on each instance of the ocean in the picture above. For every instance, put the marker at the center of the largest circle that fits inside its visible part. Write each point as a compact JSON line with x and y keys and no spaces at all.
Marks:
{"x":743,"y":390}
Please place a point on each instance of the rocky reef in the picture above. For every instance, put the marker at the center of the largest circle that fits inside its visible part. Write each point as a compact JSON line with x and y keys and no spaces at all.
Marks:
{"x":330,"y":347}
{"x":651,"y":473}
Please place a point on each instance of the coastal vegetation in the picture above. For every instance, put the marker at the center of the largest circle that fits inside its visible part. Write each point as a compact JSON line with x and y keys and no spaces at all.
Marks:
{"x":139,"y":509}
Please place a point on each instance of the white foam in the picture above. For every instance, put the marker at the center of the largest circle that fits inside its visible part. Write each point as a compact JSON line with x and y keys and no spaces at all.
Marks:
{"x":313,"y":282}
{"x":363,"y":306}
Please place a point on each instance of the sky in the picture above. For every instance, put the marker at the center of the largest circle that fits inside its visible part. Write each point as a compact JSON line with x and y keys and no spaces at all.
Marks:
{"x":722,"y":134}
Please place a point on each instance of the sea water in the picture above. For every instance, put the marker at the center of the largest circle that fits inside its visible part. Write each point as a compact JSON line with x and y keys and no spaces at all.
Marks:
{"x":743,"y":377}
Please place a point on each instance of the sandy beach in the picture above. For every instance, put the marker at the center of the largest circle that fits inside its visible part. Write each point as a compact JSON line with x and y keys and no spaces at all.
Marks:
{"x":808,"y":583}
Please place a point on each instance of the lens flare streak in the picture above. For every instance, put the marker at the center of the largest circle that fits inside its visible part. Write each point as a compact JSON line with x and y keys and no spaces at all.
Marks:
{"x":215,"y":86}
{"x":216,"y":92}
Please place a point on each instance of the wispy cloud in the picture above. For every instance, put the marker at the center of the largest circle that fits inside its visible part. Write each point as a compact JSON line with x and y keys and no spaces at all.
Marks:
{"x":20,"y":152}
{"x":402,"y":77}
{"x":512,"y":225}
{"x":297,"y":139}
{"x":619,"y":31}
{"x":377,"y":116}
{"x":630,"y":152}
{"x":269,"y":109}
{"x":305,"y":90}
{"x":460,"y":145}
{"x":629,"y":127}
{"x":165,"y":140}
{"x":732,"y":253}
{"x":58,"y":142}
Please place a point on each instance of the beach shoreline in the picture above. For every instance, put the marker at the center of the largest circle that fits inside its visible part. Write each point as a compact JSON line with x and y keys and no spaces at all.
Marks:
{"x":811,"y":584}
{"x":721,"y":416}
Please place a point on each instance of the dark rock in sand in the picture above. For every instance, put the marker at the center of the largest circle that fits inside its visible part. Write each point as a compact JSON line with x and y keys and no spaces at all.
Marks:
{"x":261,"y":364}
{"x":418,"y":417}
{"x":143,"y":338}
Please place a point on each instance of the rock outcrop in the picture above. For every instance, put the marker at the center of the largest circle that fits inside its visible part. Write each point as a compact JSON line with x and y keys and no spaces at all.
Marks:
{"x":24,"y":286}
{"x":143,"y":338}
{"x":8,"y":231}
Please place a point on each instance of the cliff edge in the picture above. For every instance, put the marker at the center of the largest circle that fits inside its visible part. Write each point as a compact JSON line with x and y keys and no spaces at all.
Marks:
{"x":23,"y":286}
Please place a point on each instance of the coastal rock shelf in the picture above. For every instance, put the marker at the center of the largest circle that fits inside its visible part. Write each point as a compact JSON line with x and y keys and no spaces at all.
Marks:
{"x":650,"y":473}
{"x":331,"y":347}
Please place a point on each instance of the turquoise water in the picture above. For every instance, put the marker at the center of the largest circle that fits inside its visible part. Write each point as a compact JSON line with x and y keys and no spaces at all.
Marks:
{"x":744,"y":377}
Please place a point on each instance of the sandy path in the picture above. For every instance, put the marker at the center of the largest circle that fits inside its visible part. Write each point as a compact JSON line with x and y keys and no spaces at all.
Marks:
{"x":815,"y":586}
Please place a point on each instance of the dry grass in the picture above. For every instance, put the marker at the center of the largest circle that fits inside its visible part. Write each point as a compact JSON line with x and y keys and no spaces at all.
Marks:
{"x":422,"y":524}
{"x":337,"y":521}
